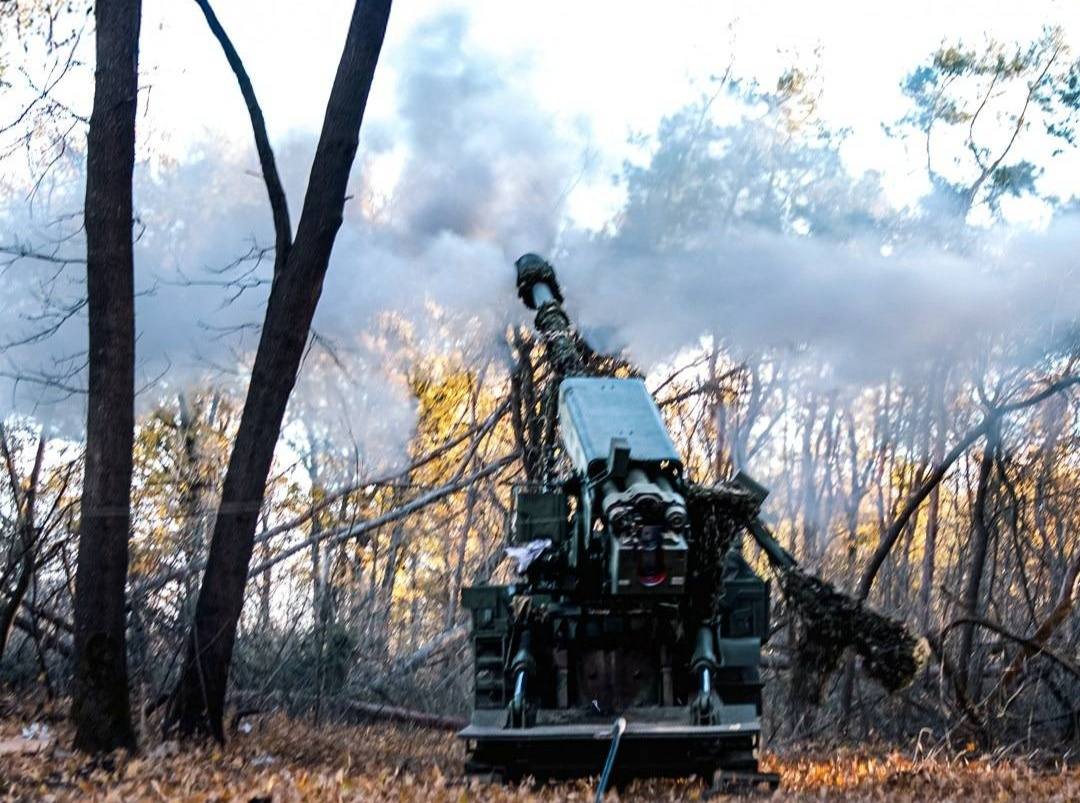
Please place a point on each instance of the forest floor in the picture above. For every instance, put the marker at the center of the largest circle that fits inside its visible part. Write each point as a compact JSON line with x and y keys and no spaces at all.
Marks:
{"x":278,"y":760}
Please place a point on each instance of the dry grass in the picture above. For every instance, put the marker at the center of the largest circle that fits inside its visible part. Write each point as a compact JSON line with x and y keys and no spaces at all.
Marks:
{"x":288,"y":760}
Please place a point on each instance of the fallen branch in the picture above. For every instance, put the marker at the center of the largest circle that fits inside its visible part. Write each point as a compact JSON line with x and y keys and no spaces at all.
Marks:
{"x":443,"y":641}
{"x":249,"y":704}
{"x":408,"y":716}
{"x":341,"y":534}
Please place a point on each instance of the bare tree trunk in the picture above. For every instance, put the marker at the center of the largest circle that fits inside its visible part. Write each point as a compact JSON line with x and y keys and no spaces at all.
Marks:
{"x":192,"y":502}
{"x":100,"y":709}
{"x":809,"y":487}
{"x":264,"y":582}
{"x":459,"y":560}
{"x":937,"y":473}
{"x":25,"y":531}
{"x":384,"y":600}
{"x":11,"y":608}
{"x":199,"y":699}
{"x":980,"y":543}
{"x":933,"y":510}
{"x":319,"y":563}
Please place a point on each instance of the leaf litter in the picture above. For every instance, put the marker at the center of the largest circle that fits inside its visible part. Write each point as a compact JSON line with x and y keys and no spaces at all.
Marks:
{"x":285,"y":760}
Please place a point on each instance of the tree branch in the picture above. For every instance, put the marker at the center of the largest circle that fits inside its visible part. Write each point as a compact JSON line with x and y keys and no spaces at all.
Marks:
{"x":279,"y":206}
{"x":915,"y":500}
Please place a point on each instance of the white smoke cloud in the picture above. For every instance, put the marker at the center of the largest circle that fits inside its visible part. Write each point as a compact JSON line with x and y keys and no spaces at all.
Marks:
{"x":482,"y":175}
{"x":846,"y":303}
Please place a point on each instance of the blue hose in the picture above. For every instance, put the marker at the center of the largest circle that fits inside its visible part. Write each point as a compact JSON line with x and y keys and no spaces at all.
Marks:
{"x":605,"y":775}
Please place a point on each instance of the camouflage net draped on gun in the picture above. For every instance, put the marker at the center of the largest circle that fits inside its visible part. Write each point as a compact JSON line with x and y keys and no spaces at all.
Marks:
{"x":828,"y":622}
{"x":717,"y":515}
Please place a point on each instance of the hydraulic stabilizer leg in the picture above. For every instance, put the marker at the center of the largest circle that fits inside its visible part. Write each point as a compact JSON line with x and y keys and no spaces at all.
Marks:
{"x":704,"y":663}
{"x":522,"y":665}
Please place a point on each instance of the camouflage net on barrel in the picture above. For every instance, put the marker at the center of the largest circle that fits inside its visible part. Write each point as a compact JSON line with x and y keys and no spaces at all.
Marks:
{"x":827,"y":621}
{"x":553,"y":323}
{"x":717,"y":515}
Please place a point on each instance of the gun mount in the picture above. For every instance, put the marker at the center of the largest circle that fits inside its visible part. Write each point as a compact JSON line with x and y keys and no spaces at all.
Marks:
{"x":633,"y":599}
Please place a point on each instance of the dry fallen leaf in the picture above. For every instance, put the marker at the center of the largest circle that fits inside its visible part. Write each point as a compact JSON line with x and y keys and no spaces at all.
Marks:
{"x":397,"y":763}
{"x":20,"y":746}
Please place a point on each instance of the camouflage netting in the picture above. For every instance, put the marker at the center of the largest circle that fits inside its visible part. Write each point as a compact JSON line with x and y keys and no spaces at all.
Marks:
{"x":829,"y":622}
{"x":717,"y":515}
{"x":553,"y":323}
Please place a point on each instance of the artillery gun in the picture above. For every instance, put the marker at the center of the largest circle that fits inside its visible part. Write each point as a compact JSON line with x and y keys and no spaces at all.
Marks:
{"x":634,"y":605}
{"x":625,"y":606}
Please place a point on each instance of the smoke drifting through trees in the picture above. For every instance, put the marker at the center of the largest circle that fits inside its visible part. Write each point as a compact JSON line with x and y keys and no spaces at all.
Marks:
{"x":483,"y":176}
{"x":842,"y":303}
{"x":478,"y":183}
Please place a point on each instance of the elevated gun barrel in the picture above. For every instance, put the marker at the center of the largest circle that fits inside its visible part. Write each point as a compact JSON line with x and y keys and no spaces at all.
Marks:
{"x":614,"y":616}
{"x":536,"y":281}
{"x":540,"y":291}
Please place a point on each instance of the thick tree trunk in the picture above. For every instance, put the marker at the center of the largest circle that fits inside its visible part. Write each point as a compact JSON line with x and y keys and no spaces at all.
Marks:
{"x":100,"y":708}
{"x":199,"y":699}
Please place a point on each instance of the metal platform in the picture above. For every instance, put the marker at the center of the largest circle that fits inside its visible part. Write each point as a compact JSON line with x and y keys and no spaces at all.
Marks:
{"x":634,"y":730}
{"x":648,"y":749}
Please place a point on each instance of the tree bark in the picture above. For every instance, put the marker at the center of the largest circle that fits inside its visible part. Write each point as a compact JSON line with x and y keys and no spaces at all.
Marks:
{"x":933,"y":512}
{"x":980,"y":531}
{"x":100,"y":709}
{"x":199,"y":698}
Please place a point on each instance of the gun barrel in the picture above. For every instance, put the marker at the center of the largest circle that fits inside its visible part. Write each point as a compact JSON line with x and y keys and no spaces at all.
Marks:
{"x":536,"y":281}
{"x":539,"y":289}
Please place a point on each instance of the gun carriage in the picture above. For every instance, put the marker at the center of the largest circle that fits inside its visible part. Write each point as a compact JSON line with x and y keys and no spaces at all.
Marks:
{"x":633,"y":598}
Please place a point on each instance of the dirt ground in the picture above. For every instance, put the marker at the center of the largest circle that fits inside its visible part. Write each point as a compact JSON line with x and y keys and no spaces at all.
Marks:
{"x":272,"y":758}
